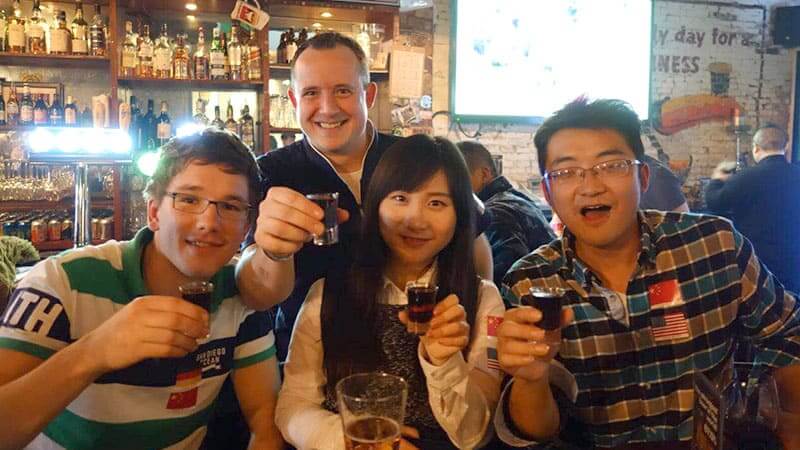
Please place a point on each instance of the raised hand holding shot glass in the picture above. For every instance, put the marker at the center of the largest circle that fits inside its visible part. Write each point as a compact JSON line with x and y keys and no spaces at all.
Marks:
{"x":329,"y":202}
{"x":198,"y":293}
{"x":530,"y":335}
{"x":372,"y":407}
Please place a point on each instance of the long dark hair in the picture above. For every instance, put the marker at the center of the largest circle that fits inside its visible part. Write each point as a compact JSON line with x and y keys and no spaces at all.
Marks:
{"x":350,"y":339}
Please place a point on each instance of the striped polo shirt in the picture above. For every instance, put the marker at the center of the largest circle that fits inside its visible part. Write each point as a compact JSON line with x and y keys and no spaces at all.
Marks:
{"x":156,"y":403}
{"x":697,"y":289}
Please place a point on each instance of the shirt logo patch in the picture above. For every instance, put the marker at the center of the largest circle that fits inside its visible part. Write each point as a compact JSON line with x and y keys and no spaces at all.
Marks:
{"x":37,"y":312}
{"x":664,"y":294}
{"x":182,"y":400}
{"x":670,"y":326}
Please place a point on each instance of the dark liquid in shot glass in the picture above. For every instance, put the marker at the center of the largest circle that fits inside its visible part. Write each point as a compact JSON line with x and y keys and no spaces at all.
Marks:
{"x":201,"y":299}
{"x":421,"y":302}
{"x":329,"y":203}
{"x":548,"y":301}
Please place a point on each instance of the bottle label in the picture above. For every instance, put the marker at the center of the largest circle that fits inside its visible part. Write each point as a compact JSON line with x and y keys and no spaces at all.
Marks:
{"x":56,"y":117}
{"x":59,"y":41}
{"x":200,"y":68}
{"x":161,"y":60}
{"x":97,"y":37}
{"x":12,"y":109}
{"x":217,"y":64}
{"x":16,"y":35}
{"x":145,"y":51}
{"x":248,"y":136}
{"x":26,"y":114}
{"x":39,"y":116}
{"x":36,"y":32}
{"x":254,"y":63}
{"x":232,"y":127}
{"x":80,"y":46}
{"x":163,"y":130}
{"x":69,"y":117}
{"x":128,"y":59}
{"x":181,"y":69}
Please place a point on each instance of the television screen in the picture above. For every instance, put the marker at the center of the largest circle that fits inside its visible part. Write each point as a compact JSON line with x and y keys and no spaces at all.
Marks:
{"x":518,"y":60}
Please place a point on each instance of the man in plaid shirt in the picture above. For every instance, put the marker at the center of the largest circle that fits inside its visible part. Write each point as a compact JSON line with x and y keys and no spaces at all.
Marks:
{"x":651,"y":298}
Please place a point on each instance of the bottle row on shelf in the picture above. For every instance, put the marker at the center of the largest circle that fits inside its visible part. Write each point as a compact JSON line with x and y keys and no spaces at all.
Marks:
{"x":43,"y":226}
{"x":228,"y":58}
{"x":149,"y":130}
{"x":34,"y":35}
{"x":29,"y":109}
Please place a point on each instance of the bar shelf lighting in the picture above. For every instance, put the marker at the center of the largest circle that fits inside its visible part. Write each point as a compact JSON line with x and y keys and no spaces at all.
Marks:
{"x":79,"y":144}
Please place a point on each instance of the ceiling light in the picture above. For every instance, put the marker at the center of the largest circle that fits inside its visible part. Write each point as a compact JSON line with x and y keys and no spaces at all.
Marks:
{"x":191,"y":17}
{"x":326,"y":15}
{"x":191,"y":6}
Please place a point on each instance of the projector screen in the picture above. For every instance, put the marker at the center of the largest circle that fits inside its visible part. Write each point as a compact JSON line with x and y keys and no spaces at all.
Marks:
{"x":522,"y":60}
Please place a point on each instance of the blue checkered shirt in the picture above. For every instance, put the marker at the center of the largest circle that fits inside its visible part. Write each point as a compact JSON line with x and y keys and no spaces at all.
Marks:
{"x":629,"y":369}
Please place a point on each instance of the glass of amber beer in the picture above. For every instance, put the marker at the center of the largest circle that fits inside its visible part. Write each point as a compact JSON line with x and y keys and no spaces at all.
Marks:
{"x":372,"y":407}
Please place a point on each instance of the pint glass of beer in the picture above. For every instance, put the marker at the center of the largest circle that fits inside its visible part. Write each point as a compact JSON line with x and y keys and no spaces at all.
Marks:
{"x":372,"y":407}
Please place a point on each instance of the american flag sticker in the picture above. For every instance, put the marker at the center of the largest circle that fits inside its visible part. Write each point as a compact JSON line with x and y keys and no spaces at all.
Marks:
{"x":670,"y":326}
{"x":491,"y":345}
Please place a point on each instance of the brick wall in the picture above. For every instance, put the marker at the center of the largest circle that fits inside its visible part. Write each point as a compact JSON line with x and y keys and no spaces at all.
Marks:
{"x":690,"y":37}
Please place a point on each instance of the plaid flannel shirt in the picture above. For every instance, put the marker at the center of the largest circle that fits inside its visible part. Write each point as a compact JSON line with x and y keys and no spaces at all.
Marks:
{"x":630,"y":372}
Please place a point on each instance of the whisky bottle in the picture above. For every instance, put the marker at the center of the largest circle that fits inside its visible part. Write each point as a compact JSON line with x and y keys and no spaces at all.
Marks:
{"x":80,"y":31}
{"x":200,"y":62}
{"x":235,"y":54}
{"x":247,"y":129}
{"x":253,"y":57}
{"x":60,"y":37}
{"x":16,"y":30}
{"x":35,"y":31}
{"x":97,"y":34}
{"x":129,"y":56}
{"x":230,"y":123}
{"x":216,"y":58}
{"x":162,"y":63}
{"x":145,"y":54}
{"x":180,"y":59}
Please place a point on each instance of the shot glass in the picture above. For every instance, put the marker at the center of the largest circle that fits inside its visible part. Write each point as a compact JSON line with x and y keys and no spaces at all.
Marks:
{"x":421,"y":302}
{"x":548,"y":301}
{"x":198,"y":293}
{"x":329,"y":202}
{"x":372,"y":407}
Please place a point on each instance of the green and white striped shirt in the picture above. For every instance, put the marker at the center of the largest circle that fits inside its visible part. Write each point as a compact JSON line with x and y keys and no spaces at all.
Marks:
{"x":157,"y":403}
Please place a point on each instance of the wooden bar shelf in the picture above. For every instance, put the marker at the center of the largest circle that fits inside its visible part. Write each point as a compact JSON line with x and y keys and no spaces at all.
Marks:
{"x":26,"y":59}
{"x":192,"y":84}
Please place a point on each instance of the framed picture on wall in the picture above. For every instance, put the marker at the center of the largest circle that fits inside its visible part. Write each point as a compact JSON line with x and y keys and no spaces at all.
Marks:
{"x":51,"y":91}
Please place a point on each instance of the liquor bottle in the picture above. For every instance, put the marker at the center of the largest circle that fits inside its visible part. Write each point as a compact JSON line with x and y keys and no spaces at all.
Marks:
{"x":35,"y":31}
{"x":3,"y":120}
{"x":136,"y":122}
{"x":216,"y":58}
{"x":3,"y":33}
{"x":87,"y":119}
{"x":56,"y":113}
{"x":70,"y":113}
{"x":129,"y":57}
{"x":40,"y":113}
{"x":180,"y":59}
{"x":235,"y":54}
{"x":163,"y":128}
{"x":230,"y":123}
{"x":291,"y":46}
{"x":162,"y":55}
{"x":217,"y":122}
{"x":247,"y":129}
{"x":12,"y":108}
{"x":302,"y":37}
{"x":253,"y":57}
{"x":80,"y":31}
{"x":148,"y":127}
{"x":200,"y":62}
{"x":223,"y":40}
{"x":145,"y":54}
{"x":16,"y":30}
{"x":26,"y":107}
{"x":200,"y":117}
{"x":60,"y":37}
{"x":97,"y":34}
{"x":281,"y":51}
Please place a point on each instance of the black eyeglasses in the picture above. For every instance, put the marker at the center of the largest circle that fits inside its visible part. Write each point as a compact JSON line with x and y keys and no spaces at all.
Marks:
{"x":570,"y":176}
{"x":226,"y":210}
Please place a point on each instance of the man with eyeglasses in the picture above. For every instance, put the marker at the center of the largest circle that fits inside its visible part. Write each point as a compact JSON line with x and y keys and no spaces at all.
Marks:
{"x":100,"y":351}
{"x":650,"y":299}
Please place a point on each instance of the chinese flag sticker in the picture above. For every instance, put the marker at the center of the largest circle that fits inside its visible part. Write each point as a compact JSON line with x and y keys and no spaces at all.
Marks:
{"x":664,"y":293}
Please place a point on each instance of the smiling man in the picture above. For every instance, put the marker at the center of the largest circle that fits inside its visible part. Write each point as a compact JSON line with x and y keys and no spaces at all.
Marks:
{"x":100,"y":351}
{"x":651,"y":298}
{"x":332,"y":94}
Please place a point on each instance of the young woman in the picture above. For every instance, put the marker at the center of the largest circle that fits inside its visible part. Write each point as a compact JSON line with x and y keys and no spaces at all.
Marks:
{"x":418,"y":225}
